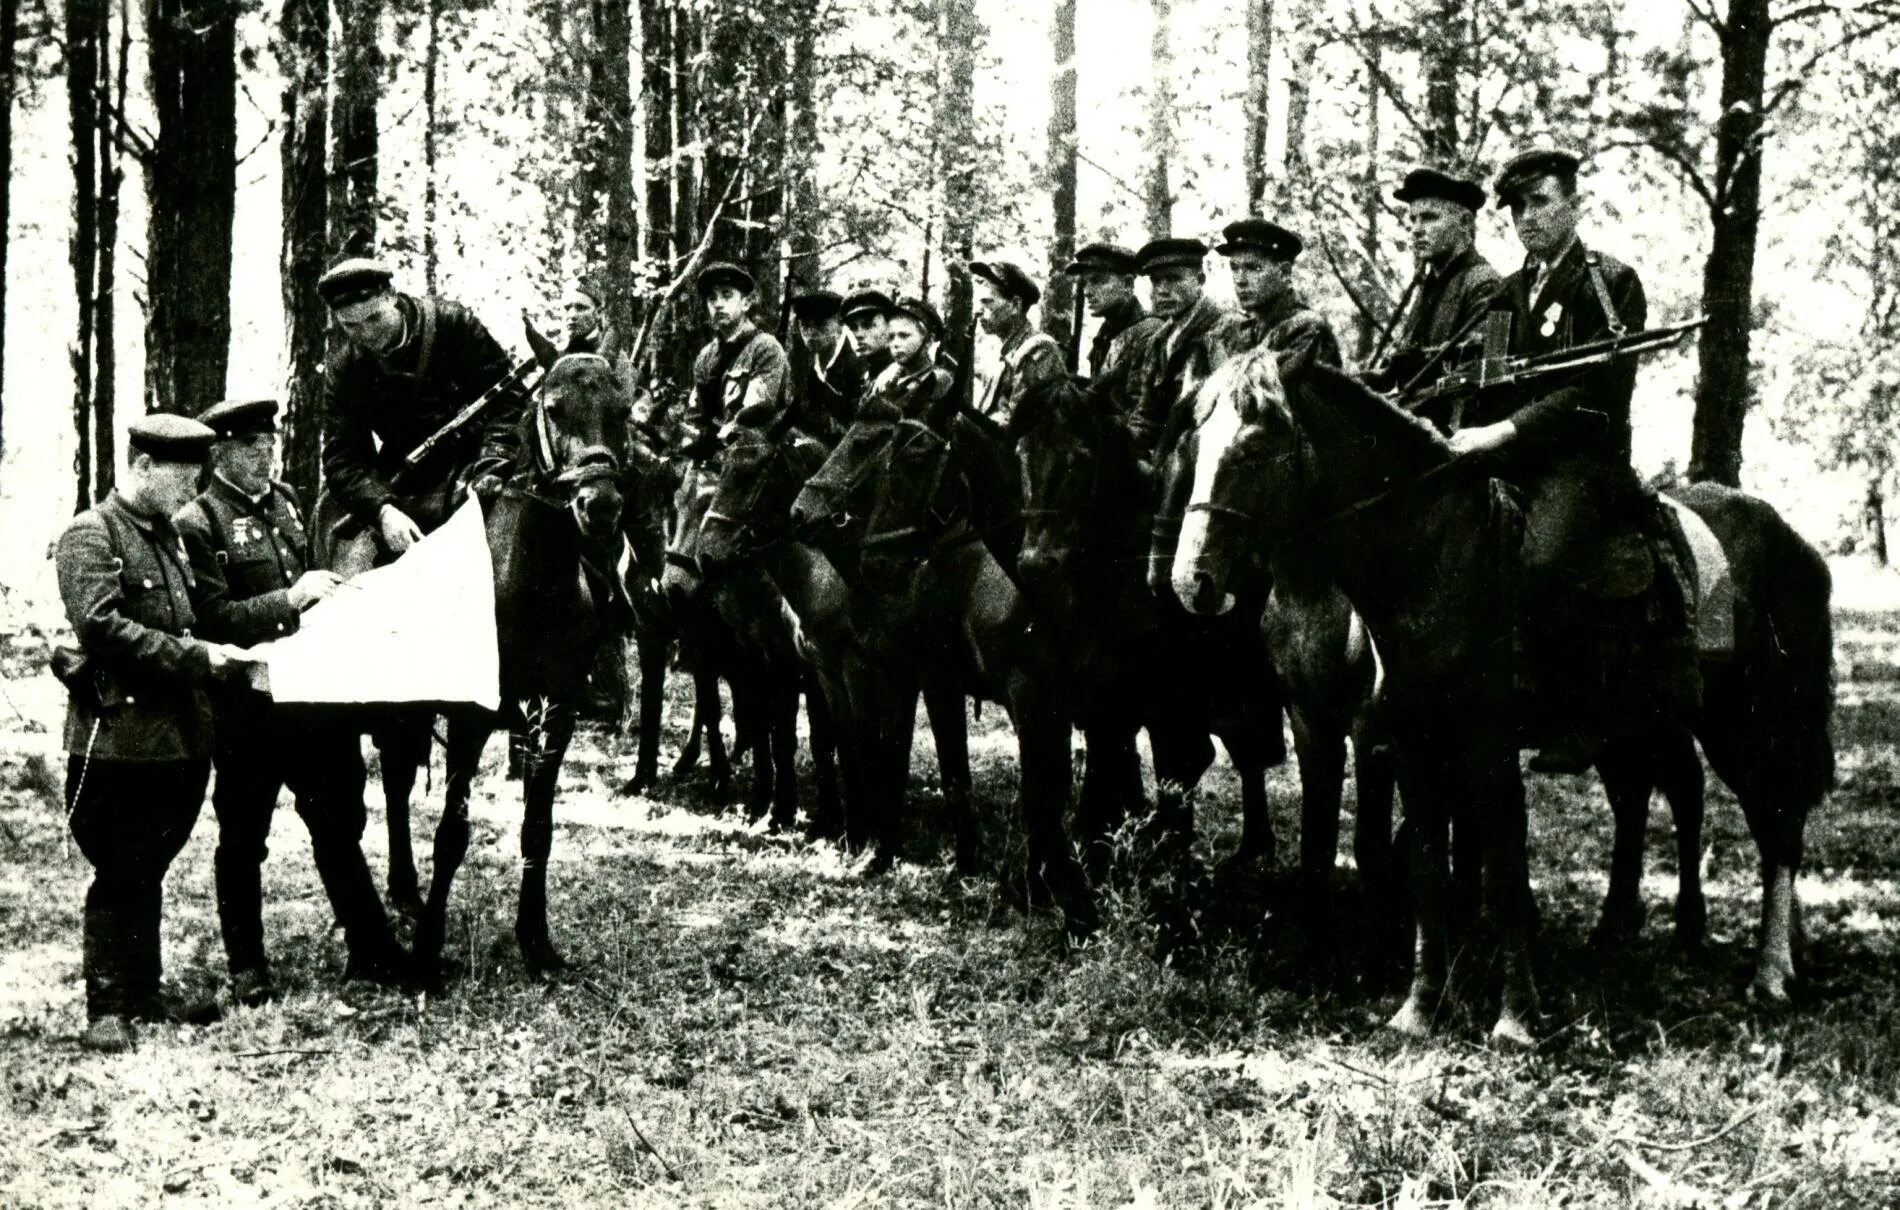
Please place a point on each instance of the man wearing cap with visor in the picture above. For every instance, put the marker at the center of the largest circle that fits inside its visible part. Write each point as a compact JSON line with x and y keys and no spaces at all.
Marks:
{"x":741,"y":374}
{"x":405,"y":367}
{"x":585,"y":308}
{"x":827,"y":374}
{"x":1028,"y":357}
{"x":138,"y":721}
{"x":1106,"y":275}
{"x":244,"y":536}
{"x":1180,"y":356}
{"x":1273,"y":314}
{"x":914,"y":382}
{"x":1452,"y":285}
{"x":867,"y":312}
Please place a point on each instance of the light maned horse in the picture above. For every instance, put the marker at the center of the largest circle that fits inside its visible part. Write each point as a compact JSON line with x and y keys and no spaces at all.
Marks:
{"x":1331,"y":473}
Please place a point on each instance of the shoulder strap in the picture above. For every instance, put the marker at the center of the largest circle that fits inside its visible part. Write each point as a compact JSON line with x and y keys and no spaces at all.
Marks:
{"x":427,"y":308}
{"x":1595,"y":264}
{"x":222,"y":555}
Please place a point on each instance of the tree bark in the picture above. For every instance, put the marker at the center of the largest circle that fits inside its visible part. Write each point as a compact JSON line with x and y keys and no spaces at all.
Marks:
{"x":1877,"y":516}
{"x":1058,"y":300}
{"x":1259,"y":94}
{"x":85,"y":24}
{"x":105,"y":377}
{"x":304,"y":51}
{"x":610,"y":158}
{"x":1723,"y":390}
{"x":192,"y":185}
{"x":959,"y":35}
{"x":353,"y":124}
{"x":431,"y":108}
{"x":801,"y":150}
{"x":1446,"y":55}
{"x":9,"y":44}
{"x":1157,"y":192}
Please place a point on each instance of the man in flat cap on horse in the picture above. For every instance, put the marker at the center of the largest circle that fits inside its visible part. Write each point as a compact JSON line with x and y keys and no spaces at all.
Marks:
{"x":1273,"y":313}
{"x":1029,"y":357}
{"x":1452,"y":285}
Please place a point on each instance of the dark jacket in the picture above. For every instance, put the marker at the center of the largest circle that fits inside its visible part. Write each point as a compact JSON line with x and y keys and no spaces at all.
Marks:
{"x":909,"y":394}
{"x":128,"y":591}
{"x":827,"y":390}
{"x":1289,"y":326}
{"x":1587,"y":413}
{"x":1175,"y":362}
{"x":1029,"y":358}
{"x":1447,"y":301}
{"x":402,"y":401}
{"x":747,"y":374}
{"x":246,"y":554}
{"x":1119,"y":319}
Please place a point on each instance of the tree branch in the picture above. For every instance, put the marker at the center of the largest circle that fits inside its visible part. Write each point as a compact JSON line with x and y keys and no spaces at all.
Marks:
{"x":1798,"y":79}
{"x":1679,"y":157}
{"x":1706,"y":15}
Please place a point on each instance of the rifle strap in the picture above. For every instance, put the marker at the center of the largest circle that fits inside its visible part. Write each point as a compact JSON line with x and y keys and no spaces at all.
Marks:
{"x":427,"y":308}
{"x":1594,"y":263}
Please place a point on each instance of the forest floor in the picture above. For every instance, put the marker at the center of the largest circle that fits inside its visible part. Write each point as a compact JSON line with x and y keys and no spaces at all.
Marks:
{"x":751,"y":1022}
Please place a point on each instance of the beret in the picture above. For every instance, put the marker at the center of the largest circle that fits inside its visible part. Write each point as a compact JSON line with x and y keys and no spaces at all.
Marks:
{"x":921,"y":311}
{"x":169,"y":438}
{"x":1164,"y":253}
{"x":352,"y":280}
{"x":240,"y":417}
{"x":860,"y":301}
{"x":1111,"y":258}
{"x":1429,"y":182}
{"x":1262,"y":236}
{"x":817,"y":304}
{"x":1009,"y":279}
{"x":724,"y":273}
{"x":1524,"y":168}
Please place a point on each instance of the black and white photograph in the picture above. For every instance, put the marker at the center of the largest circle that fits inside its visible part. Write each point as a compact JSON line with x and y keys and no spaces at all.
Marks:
{"x":949,"y":603}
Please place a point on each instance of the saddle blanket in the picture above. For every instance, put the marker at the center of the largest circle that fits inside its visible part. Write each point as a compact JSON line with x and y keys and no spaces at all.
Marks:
{"x":1715,"y":585}
{"x":421,"y":629}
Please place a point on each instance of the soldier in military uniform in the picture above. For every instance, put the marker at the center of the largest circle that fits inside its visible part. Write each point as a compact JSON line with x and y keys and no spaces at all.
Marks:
{"x":244,"y":537}
{"x":405,"y":367}
{"x":1183,"y":353}
{"x":138,"y":722}
{"x":866,"y":313}
{"x":742,"y":373}
{"x":1452,"y":286}
{"x":1273,"y":313}
{"x":827,"y":374}
{"x":1029,"y":357}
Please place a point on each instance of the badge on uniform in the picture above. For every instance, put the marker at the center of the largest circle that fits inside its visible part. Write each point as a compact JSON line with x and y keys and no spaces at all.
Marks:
{"x":245,"y":530}
{"x":1553,"y":315}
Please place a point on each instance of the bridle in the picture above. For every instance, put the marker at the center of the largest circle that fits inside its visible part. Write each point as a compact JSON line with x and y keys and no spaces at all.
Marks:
{"x":748,"y":509}
{"x":594,"y":467}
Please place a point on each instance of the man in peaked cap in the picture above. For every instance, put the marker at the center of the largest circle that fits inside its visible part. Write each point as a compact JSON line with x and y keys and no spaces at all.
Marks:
{"x":742,"y":373}
{"x":1260,"y":257}
{"x":138,"y":722}
{"x":1452,"y":285}
{"x":866,"y":313}
{"x":1028,"y":357}
{"x":828,"y":378}
{"x":244,"y":537}
{"x":406,"y":366}
{"x":1106,"y":273}
{"x":1185,"y":351}
{"x":914,"y":382}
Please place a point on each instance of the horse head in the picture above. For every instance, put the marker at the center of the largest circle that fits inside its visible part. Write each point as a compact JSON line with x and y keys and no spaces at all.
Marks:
{"x":682,"y":577}
{"x":1065,"y":445}
{"x":578,"y":438}
{"x":759,"y":474}
{"x":839,"y":492}
{"x":919,"y":495}
{"x":1250,"y":478}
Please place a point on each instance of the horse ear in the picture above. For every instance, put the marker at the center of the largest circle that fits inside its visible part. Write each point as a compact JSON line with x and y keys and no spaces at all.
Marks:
{"x":544,"y":350}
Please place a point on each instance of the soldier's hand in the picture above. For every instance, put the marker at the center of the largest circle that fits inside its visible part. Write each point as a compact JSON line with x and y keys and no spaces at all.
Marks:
{"x":228,"y":662}
{"x":313,"y":586}
{"x":1484,"y":437}
{"x":399,"y":532}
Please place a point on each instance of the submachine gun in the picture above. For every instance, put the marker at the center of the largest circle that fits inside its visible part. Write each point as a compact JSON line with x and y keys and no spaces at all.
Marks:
{"x":1493,"y":372}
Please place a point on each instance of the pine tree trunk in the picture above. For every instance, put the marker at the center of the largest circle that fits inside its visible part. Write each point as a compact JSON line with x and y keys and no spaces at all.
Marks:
{"x":431,"y":111}
{"x":1877,"y":515}
{"x":1723,"y":390}
{"x":959,"y":35}
{"x":801,"y":222}
{"x":192,"y":185}
{"x":1259,"y":94}
{"x":105,"y":375}
{"x":353,"y":117}
{"x":9,"y":41}
{"x":85,"y":21}
{"x":1299,"y":90}
{"x":1058,"y":315}
{"x":304,"y":50}
{"x":1372,"y":205}
{"x":610,"y":157}
{"x":1157,"y":192}
{"x":683,"y":323}
{"x":1445,"y":56}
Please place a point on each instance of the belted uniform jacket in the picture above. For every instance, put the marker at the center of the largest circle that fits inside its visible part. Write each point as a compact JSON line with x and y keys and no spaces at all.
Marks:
{"x":129,"y":594}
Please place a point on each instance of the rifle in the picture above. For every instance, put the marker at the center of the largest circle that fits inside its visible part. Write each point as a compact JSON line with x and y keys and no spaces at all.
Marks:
{"x":1490,"y":374}
{"x":462,"y":419}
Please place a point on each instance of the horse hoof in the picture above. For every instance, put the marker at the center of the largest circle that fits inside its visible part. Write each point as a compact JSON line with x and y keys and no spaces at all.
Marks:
{"x":719,"y":790}
{"x":1617,"y":929}
{"x":1511,"y":1033}
{"x":542,"y":959}
{"x":1411,"y":1021}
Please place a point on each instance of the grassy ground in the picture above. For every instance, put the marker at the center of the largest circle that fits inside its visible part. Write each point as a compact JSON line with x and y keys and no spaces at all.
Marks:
{"x":750,"y":1023}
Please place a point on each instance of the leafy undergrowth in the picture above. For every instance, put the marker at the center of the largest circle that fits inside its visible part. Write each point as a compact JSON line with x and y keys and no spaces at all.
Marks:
{"x":750,"y":1021}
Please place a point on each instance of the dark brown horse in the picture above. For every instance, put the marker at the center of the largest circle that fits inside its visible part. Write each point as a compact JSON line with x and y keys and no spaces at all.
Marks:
{"x":1335,"y":476}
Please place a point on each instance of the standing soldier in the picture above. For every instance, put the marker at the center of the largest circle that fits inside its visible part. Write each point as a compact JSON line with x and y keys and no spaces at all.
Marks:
{"x":244,"y":536}
{"x":1185,"y":351}
{"x":1452,"y":285}
{"x":138,"y":722}
{"x":827,"y":374}
{"x":1273,"y":313}
{"x":1029,"y":357}
{"x":866,"y":313}
{"x":741,"y":374}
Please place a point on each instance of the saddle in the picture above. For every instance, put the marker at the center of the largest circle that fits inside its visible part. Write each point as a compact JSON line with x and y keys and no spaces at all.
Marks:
{"x":1667,"y":576}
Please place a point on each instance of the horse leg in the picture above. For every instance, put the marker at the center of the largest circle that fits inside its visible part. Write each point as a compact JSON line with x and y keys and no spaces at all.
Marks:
{"x":1496,"y":788}
{"x":402,"y":744}
{"x":1628,"y":779}
{"x":1111,"y":766}
{"x":1172,"y":873}
{"x":823,"y":819}
{"x":1374,"y":852}
{"x":896,"y":728}
{"x":467,"y":736}
{"x":653,"y":651}
{"x":1679,"y":773}
{"x":1423,"y":782}
{"x":950,"y":732}
{"x":550,"y":728}
{"x":708,"y":714}
{"x":784,"y":686}
{"x":1043,"y":738}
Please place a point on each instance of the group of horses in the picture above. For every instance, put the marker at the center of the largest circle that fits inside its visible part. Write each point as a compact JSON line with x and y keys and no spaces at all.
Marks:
{"x":1302,"y":546}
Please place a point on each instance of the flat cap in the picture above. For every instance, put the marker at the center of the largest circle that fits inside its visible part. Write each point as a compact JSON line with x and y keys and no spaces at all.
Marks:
{"x":1108,"y":258}
{"x":352,"y":280}
{"x":723,"y":273}
{"x":1259,"y":235}
{"x":1429,"y":182}
{"x":1165,"y":253}
{"x":590,"y":289}
{"x":860,"y":301}
{"x":240,"y":417}
{"x":1009,"y":279}
{"x":1528,"y":166}
{"x":169,"y":438}
{"x":814,"y":305}
{"x":921,"y":311}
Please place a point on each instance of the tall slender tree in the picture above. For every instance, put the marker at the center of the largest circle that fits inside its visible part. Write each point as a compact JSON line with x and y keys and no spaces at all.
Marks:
{"x":1158,"y":192}
{"x":959,"y":34}
{"x":1259,"y":95}
{"x":608,"y":179}
{"x":801,"y":151}
{"x":9,"y":75}
{"x":1058,"y":307}
{"x":304,"y":53}
{"x":105,"y":380}
{"x":356,"y":95}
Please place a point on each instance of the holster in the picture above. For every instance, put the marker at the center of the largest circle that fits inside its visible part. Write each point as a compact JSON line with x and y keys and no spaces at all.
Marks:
{"x":88,"y":684}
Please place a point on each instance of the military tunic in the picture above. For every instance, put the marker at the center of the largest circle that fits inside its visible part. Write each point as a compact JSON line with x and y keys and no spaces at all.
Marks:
{"x":1288,"y":326}
{"x":1030,"y":358}
{"x":828,"y":389}
{"x":744,"y":377}
{"x":1120,"y":317}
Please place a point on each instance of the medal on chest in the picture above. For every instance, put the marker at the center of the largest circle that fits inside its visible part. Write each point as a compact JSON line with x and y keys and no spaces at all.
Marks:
{"x":1553,"y":315}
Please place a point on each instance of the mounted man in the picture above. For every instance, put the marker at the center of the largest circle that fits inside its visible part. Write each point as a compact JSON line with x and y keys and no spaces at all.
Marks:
{"x":1273,"y":313}
{"x":1452,"y":285}
{"x":866,"y":312}
{"x":741,"y":374}
{"x":1105,"y":273}
{"x":827,"y":374}
{"x":1182,"y":354}
{"x":915,"y":381}
{"x":1028,"y":357}
{"x":1568,"y":449}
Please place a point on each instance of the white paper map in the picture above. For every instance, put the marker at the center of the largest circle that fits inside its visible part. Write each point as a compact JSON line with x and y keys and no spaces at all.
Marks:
{"x":421,"y":629}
